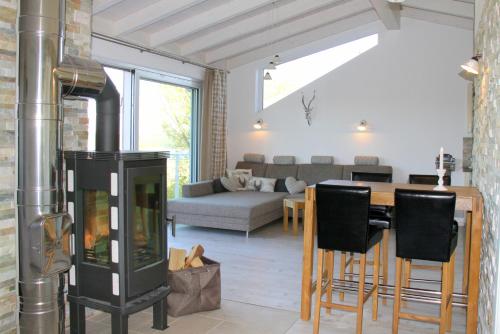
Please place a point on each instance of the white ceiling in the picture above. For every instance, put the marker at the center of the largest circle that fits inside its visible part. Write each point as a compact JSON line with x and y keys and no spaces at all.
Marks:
{"x":224,"y":31}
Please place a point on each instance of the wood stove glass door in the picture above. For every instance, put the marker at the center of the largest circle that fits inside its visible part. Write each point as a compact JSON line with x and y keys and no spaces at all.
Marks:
{"x":147,"y":231}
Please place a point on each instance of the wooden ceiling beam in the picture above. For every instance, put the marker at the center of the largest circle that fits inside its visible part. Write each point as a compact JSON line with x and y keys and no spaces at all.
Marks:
{"x":253,"y":24}
{"x":204,"y":20}
{"x":388,"y":13}
{"x":447,"y":7}
{"x":151,"y":14}
{"x":101,"y":5}
{"x":272,"y":36}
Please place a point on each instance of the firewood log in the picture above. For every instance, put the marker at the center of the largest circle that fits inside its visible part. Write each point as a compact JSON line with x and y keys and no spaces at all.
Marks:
{"x":196,"y":263}
{"x":196,"y":251}
{"x":176,"y":260}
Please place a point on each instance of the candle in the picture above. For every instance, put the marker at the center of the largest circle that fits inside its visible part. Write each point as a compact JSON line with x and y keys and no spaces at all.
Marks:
{"x":441,"y":151}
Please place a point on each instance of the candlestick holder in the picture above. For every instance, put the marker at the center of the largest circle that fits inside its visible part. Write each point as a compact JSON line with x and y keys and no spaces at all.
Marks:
{"x":440,"y":173}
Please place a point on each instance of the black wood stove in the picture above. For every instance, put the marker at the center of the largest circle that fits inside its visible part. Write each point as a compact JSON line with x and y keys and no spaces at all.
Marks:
{"x":119,"y":255}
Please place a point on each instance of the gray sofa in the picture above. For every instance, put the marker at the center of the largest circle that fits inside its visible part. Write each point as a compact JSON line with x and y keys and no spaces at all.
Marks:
{"x":206,"y":204}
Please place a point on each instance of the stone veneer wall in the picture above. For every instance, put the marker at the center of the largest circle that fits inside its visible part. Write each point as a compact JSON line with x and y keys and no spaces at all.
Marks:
{"x":75,"y":135}
{"x":486,"y":156}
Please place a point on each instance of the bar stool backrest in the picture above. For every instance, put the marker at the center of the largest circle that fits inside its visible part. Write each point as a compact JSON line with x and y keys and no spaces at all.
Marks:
{"x":371,"y":177}
{"x":425,"y":224}
{"x":428,"y":179}
{"x":342,"y":216}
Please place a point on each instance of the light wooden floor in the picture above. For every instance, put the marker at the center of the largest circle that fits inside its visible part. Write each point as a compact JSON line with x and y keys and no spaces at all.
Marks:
{"x":261,"y":279}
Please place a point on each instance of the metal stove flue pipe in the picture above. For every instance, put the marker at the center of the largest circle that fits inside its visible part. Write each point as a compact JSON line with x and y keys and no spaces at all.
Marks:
{"x":44,"y":228}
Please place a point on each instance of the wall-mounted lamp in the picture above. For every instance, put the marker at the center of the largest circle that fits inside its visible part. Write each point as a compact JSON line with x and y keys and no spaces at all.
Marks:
{"x":395,"y":1}
{"x":258,"y":124}
{"x":472,"y":65}
{"x":362,"y":125}
{"x":267,"y":76}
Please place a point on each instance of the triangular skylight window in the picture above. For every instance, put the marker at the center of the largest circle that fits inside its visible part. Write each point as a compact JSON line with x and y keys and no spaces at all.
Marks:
{"x":293,"y":75}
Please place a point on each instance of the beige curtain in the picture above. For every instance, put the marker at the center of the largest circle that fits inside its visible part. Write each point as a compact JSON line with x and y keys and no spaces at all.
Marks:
{"x":213,"y":157}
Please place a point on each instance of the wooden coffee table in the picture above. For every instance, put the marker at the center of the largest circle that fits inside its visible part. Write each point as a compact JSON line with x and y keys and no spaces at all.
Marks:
{"x":295,"y":204}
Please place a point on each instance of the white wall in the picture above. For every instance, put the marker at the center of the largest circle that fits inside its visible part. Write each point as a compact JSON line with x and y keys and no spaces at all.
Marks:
{"x":407,"y":88}
{"x":115,"y":54}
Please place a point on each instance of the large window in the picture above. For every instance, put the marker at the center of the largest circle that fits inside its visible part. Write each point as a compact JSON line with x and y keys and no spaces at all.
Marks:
{"x":293,"y":75}
{"x":166,"y":115}
{"x":158,"y":112}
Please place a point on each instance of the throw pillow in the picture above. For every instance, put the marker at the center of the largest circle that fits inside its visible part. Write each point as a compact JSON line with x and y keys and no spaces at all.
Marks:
{"x":280,"y":186}
{"x":262,"y":184}
{"x":230,"y":184}
{"x":218,"y":186}
{"x":295,"y":186}
{"x":237,"y":172}
{"x":240,"y":177}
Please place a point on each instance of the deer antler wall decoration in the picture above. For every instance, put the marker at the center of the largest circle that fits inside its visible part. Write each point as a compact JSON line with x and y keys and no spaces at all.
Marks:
{"x":307,"y":108}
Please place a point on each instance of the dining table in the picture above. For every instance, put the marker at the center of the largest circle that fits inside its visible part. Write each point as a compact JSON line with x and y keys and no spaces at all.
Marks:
{"x":468,"y":199}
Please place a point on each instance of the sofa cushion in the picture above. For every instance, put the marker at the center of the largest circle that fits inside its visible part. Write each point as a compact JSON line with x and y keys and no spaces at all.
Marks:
{"x":322,"y":160}
{"x":348,"y":169}
{"x":254,"y":157}
{"x":241,"y":204}
{"x":284,"y":159}
{"x":258,"y":169}
{"x":197,"y":189}
{"x":281,"y":171}
{"x":312,"y":173}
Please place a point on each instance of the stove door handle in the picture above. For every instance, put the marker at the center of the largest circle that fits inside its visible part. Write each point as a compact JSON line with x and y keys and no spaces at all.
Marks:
{"x":172,"y":221}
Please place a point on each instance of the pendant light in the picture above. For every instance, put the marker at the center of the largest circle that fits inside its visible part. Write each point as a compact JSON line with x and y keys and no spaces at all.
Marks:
{"x":267,"y":76}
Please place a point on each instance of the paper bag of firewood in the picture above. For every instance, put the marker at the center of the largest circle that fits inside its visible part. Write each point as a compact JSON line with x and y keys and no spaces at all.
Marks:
{"x":194,"y":289}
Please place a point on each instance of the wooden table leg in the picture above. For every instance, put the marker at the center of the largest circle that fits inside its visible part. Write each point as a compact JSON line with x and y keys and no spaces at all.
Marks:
{"x":307,"y":260}
{"x":465,"y":275}
{"x":285,"y":216}
{"x":295,"y":219}
{"x":474,"y":264}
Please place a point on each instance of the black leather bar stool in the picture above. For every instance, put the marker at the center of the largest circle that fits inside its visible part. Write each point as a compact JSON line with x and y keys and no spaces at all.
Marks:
{"x":426,"y":231}
{"x":433,"y":180}
{"x":380,"y":216}
{"x":343,"y":225}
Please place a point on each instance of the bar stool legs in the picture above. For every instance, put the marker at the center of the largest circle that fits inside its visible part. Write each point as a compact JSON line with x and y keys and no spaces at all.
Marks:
{"x":326,"y":258}
{"x":342,"y":273}
{"x":329,"y":269}
{"x":445,"y":317}
{"x":385,"y":261}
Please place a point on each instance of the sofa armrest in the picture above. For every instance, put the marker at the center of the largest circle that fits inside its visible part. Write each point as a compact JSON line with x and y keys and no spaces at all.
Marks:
{"x":197,"y":189}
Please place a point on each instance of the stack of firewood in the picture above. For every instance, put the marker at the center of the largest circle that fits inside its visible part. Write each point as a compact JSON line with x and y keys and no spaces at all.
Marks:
{"x":178,"y":259}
